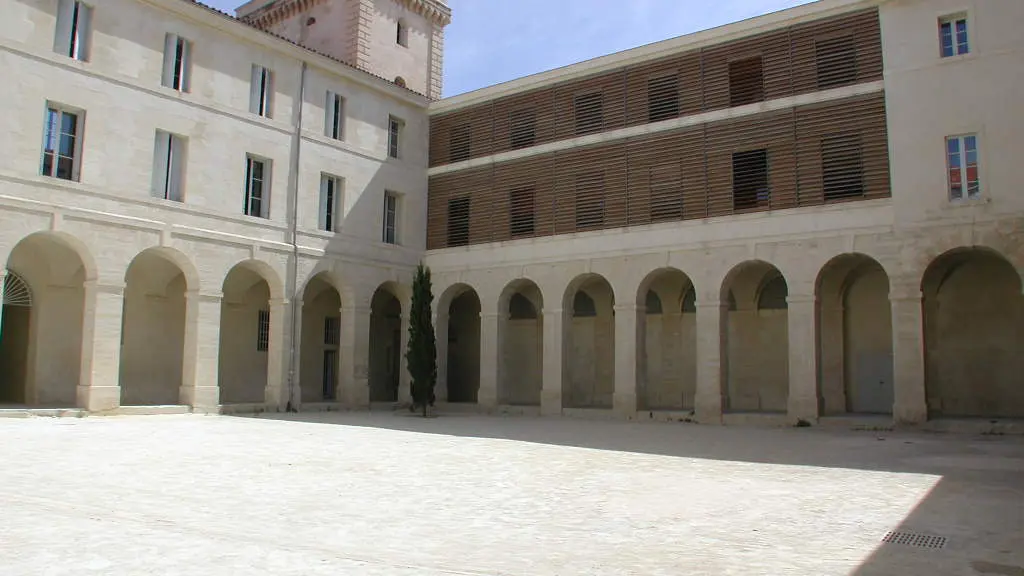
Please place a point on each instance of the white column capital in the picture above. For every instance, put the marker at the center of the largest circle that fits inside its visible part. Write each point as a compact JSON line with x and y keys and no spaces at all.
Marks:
{"x":552,"y":311}
{"x":628,"y":308}
{"x":114,"y":289}
{"x":801,"y":299}
{"x":199,"y":296}
{"x":282,"y":302}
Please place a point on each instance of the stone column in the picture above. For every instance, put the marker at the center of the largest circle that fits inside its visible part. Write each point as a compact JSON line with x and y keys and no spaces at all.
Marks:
{"x":487,"y":396}
{"x":99,"y":386}
{"x":201,"y":360}
{"x":910,"y":406}
{"x":554,"y":368}
{"x":355,"y":356}
{"x":832,"y":360}
{"x":279,"y":353}
{"x":628,"y":343}
{"x":404,"y":378}
{"x":441,"y":345}
{"x":803,"y":357}
{"x":712,"y":362}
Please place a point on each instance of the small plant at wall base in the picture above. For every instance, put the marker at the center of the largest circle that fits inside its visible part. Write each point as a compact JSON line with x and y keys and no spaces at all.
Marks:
{"x":421,"y":354}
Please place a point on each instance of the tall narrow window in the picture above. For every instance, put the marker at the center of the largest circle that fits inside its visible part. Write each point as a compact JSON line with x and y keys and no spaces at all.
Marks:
{"x":662,"y":98}
{"x":460,"y":142}
{"x":458,"y":221}
{"x":962,"y":166}
{"x":750,"y":179}
{"x":177,"y":63}
{"x":402,"y":34}
{"x":589,"y":112}
{"x":257,"y":186}
{"x":836,"y":60}
{"x":332,"y":331}
{"x":590,"y":200}
{"x":334,"y":116}
{"x":330,"y":202}
{"x":168,"y":166}
{"x":521,"y":212}
{"x":263,"y":331}
{"x":261,"y":91}
{"x":74,"y":29}
{"x":666,"y":184}
{"x":953,"y":36}
{"x":394,"y":136}
{"x":746,"y":81}
{"x":522,"y":128}
{"x":390,"y":234}
{"x":842,"y":171}
{"x":61,"y":143}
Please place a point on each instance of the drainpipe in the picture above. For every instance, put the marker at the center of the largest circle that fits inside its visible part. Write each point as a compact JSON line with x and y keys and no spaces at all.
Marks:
{"x":293,"y":224}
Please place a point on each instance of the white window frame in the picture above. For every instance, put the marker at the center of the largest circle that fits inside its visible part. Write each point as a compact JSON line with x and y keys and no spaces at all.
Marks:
{"x":51,"y":141}
{"x":261,"y":91}
{"x":952,"y":20}
{"x":395,"y":128}
{"x":264,"y":189}
{"x":332,"y":202}
{"x":177,"y":71}
{"x":391,"y":218}
{"x":73,"y":34}
{"x":334,"y":116}
{"x":170,"y":152}
{"x":402,"y":33}
{"x":965,"y":193}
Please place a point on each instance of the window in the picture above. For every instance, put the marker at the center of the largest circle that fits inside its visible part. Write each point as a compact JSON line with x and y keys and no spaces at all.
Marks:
{"x":662,"y":98}
{"x":746,"y":81}
{"x":261,"y":91}
{"x":842,"y":171}
{"x":589,"y":111}
{"x":583,"y":305}
{"x":177,"y":62}
{"x":334,"y":116}
{"x":750,"y":179}
{"x":390,"y":234}
{"x":458,"y":221}
{"x":263,"y":331}
{"x":332,"y":330}
{"x":331,"y":188}
{"x":62,"y":143}
{"x":522,"y":128}
{"x":402,"y":34}
{"x":836,"y":61}
{"x":168,"y":166}
{"x":257,"y":186}
{"x":459,"y":143}
{"x":666,"y":182}
{"x":953,"y":36}
{"x":394,"y":136}
{"x":962,"y":162}
{"x":589,"y":200}
{"x":521,"y":211}
{"x":74,"y":29}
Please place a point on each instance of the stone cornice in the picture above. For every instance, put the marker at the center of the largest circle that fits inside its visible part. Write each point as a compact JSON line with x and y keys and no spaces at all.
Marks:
{"x":434,"y":10}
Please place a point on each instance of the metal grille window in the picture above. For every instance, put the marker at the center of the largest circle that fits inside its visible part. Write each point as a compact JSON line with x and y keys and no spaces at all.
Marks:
{"x":390,"y":218}
{"x":334,"y":116}
{"x":61,"y":150}
{"x":836,"y":61}
{"x":666,"y":185}
{"x":962,"y":165}
{"x":332,"y":330}
{"x":750,"y":179}
{"x":589,"y":200}
{"x":74,"y":29}
{"x":263,"y":331}
{"x":257,"y":186}
{"x":746,"y":81}
{"x":953,"y":36}
{"x":394,"y":136}
{"x":842,"y":169}
{"x":460,"y":141}
{"x":168,"y":166}
{"x":589,"y":112}
{"x":523,"y":128}
{"x":330,"y":202}
{"x":458,"y":221}
{"x":177,"y":63}
{"x":261,"y":90}
{"x":662,"y":98}
{"x":521,"y":211}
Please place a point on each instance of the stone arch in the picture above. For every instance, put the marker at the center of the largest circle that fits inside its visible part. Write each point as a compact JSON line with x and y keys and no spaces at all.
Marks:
{"x":667,"y":359}
{"x":974,"y":348}
{"x":521,"y":343}
{"x":854,"y":336}
{"x":385,"y":345}
{"x":245,"y":332}
{"x":460,"y":307}
{"x":757,"y":338}
{"x":589,"y":369}
{"x":320,"y":338}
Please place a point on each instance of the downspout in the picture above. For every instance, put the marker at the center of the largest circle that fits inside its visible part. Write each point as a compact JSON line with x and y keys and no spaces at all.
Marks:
{"x":293,"y":224}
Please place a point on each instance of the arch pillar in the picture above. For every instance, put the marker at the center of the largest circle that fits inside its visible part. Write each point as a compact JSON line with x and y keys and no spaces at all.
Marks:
{"x":555,"y":328}
{"x":628,"y":342}
{"x":404,"y":378}
{"x":490,"y":347}
{"x":278,"y":351}
{"x":803,"y":357}
{"x":99,"y":386}
{"x":711,"y":367}
{"x":355,"y":354}
{"x":441,"y":347}
{"x":910,"y":404}
{"x":201,"y":360}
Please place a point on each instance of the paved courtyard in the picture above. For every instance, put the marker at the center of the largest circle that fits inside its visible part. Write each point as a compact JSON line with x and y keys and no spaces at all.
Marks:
{"x":383,"y":494}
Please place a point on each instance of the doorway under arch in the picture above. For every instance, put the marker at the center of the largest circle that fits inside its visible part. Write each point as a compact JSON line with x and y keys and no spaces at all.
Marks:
{"x":320,"y":353}
{"x":521,"y":327}
{"x":385,"y":346}
{"x":669,"y":356}
{"x":464,"y":347}
{"x":589,"y":380}
{"x":244,"y":336}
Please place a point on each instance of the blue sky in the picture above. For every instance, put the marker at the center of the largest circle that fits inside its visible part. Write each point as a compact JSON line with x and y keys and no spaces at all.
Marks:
{"x":492,"y":41}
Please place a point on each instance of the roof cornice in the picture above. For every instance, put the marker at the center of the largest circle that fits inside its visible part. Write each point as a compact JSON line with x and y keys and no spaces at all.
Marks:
{"x":276,"y":11}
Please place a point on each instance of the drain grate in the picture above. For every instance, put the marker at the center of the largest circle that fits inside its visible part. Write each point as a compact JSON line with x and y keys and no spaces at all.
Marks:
{"x":914,"y":539}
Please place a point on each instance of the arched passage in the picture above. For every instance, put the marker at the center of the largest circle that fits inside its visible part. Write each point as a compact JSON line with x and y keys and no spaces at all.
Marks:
{"x":320,"y":355}
{"x":974,"y":344}
{"x":41,"y":324}
{"x":855,"y":336}
{"x":463,"y":357}
{"x":758,"y":338}
{"x":589,"y":380}
{"x":521,"y":327}
{"x":669,"y":325}
{"x":244,"y":335}
{"x":153,"y":329}
{"x":385,"y":345}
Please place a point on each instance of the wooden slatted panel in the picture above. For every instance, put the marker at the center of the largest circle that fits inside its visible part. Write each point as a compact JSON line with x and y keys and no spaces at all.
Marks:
{"x":820,"y":51}
{"x":475,"y":184}
{"x":725,"y":60}
{"x":686,"y":69}
{"x":512,"y":180}
{"x":569,"y":166}
{"x":452,"y":128}
{"x":523,"y":118}
{"x":580,"y":104}
{"x":661,"y":164}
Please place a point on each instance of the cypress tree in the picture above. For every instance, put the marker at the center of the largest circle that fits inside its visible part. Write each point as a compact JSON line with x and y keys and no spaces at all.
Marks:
{"x":421,"y":354}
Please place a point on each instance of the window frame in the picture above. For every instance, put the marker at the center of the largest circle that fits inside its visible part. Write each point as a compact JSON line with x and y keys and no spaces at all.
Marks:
{"x":392,"y":209}
{"x":263,"y":330}
{"x":840,"y":147}
{"x":660,"y":116}
{"x":334,"y":116}
{"x":73,"y":38}
{"x":952,"y":20}
{"x":964,"y":168}
{"x":165,"y":159}
{"x":834,"y":39}
{"x":265,"y":181}
{"x":177,"y":75}
{"x":76,"y":149}
{"x":758,"y":202}
{"x":395,"y":128}
{"x":761,"y":95}
{"x":578,"y":128}
{"x":522,"y":211}
{"x":402,"y":33}
{"x":261,"y":91}
{"x":526,"y":117}
{"x":330,"y":210}
{"x":462,"y":135}
{"x":452,"y":239}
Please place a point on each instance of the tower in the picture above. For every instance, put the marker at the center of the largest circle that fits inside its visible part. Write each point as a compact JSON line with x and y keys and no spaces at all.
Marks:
{"x":400,"y":40}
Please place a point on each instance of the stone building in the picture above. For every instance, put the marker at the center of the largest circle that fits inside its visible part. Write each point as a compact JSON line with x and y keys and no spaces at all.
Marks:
{"x":805,"y":215}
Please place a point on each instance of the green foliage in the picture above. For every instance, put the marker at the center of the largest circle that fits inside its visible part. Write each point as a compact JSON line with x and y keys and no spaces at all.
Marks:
{"x":421,"y":354}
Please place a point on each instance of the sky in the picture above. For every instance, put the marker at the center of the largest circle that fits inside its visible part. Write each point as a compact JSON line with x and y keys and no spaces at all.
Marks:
{"x":493,"y":41}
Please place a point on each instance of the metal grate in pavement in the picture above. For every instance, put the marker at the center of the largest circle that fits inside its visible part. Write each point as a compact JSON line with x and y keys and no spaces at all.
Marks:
{"x":914,"y":539}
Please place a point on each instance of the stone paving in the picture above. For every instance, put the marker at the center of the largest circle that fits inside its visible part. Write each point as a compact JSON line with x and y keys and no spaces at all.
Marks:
{"x":389,"y":494}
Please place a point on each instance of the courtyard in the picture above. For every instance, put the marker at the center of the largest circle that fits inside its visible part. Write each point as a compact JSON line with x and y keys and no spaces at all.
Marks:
{"x":392,"y":494}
